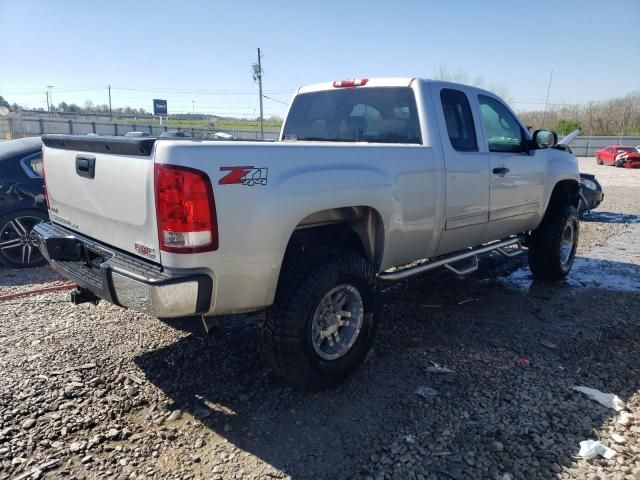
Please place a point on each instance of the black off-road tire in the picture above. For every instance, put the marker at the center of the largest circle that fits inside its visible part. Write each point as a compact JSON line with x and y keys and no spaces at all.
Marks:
{"x":599,"y":160}
{"x":285,"y":330}
{"x":545,"y":244}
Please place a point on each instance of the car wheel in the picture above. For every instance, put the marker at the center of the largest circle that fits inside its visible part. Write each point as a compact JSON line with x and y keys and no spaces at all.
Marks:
{"x":553,"y":245}
{"x":599,"y":160}
{"x":323,"y":320}
{"x":619,"y":164}
{"x":17,"y":247}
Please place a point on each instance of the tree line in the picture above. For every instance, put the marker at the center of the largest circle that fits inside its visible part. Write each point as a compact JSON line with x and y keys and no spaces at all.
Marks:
{"x":617,"y":116}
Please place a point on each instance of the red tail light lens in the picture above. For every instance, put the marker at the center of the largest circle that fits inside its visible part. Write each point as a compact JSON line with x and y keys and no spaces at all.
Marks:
{"x":185,"y":208}
{"x":356,"y":82}
{"x":44,"y":180}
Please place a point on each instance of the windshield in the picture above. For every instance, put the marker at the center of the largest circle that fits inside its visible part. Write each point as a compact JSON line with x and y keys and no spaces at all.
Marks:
{"x":626,"y":149}
{"x":373,"y":114}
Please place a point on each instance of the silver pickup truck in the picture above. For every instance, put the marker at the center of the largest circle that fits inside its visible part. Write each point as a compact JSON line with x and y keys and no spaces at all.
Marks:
{"x":371,"y":180}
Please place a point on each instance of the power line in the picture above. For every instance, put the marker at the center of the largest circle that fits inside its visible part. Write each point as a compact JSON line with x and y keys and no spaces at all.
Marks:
{"x":275,"y":100}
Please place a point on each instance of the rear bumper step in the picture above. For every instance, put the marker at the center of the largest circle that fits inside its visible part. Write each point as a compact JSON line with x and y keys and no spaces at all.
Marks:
{"x":120,"y":278}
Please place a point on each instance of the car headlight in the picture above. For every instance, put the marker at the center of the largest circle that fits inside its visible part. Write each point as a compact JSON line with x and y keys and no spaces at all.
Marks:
{"x":590,"y":184}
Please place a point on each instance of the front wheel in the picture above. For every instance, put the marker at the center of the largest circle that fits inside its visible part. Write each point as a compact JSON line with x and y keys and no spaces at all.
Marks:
{"x":323,"y":320}
{"x":553,"y":245}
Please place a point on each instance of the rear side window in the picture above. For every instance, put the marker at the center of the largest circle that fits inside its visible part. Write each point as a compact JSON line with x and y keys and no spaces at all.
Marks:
{"x":373,"y":114}
{"x":32,"y":165}
{"x":457,"y":115}
{"x":504,"y":133}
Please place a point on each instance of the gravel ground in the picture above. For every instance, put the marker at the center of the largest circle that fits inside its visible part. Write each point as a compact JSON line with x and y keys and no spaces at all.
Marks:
{"x":92,"y":392}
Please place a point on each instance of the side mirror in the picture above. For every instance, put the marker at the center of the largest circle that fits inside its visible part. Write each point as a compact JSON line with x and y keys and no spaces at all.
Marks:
{"x":544,"y":139}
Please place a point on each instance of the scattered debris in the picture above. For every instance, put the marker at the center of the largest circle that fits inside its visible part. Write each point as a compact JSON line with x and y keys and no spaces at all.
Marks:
{"x":467,"y":300}
{"x":609,"y":400}
{"x":548,"y":344}
{"x":592,"y":448}
{"x":426,"y":392}
{"x":435,"y":368}
{"x":175,"y":415}
{"x":85,"y":366}
{"x":624,"y":418}
{"x":523,"y":361}
{"x":616,"y":437}
{"x":35,"y":470}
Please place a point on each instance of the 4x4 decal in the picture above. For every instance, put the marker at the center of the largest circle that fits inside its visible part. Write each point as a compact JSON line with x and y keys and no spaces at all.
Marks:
{"x":248,"y":175}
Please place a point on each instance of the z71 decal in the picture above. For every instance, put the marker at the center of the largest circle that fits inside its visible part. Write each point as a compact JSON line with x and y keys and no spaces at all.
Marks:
{"x":249,"y":176}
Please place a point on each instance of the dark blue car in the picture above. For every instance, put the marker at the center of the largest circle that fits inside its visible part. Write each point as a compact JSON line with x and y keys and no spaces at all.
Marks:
{"x":22,"y":201}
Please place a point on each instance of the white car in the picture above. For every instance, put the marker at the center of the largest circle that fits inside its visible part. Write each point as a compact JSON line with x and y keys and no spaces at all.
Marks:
{"x":372,"y":180}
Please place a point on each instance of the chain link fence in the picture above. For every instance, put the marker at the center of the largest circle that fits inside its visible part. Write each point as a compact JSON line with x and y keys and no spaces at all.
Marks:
{"x":18,"y":126}
{"x":586,"y":146}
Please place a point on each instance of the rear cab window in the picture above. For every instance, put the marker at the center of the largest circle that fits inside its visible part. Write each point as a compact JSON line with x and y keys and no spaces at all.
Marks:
{"x":371,"y":114}
{"x":459,"y":121}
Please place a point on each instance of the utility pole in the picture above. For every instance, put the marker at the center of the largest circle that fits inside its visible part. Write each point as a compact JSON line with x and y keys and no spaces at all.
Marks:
{"x":544,"y":115}
{"x":257,"y":76}
{"x":193,"y":107}
{"x":110,"y":114}
{"x":46,"y":92}
{"x":50,"y":97}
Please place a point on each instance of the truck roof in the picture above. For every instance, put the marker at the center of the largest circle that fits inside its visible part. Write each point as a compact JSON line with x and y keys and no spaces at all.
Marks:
{"x":384,"y":82}
{"x":371,"y":82}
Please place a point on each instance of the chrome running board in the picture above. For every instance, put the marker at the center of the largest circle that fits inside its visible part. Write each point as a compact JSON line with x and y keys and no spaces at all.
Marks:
{"x":446,"y":261}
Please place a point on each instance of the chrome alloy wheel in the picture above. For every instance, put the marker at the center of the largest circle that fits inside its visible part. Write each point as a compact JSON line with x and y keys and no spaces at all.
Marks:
{"x":337,"y":322}
{"x":16,"y":242}
{"x":566,"y":245}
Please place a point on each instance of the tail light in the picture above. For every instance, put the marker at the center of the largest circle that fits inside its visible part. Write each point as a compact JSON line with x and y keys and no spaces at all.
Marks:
{"x":185,"y":208}
{"x":356,"y":82}
{"x":44,"y":181}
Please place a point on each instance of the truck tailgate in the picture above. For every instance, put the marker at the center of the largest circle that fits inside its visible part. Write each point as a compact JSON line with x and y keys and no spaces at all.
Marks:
{"x":103,"y":188}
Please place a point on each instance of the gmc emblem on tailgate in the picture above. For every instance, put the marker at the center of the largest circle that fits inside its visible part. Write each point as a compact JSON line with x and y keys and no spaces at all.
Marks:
{"x":146,"y":250}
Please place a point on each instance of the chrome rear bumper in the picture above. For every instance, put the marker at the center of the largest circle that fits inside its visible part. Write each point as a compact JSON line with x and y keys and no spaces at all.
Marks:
{"x":120,"y":278}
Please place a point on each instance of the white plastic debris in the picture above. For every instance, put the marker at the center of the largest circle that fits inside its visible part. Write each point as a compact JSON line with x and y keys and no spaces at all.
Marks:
{"x":435,"y":368}
{"x":426,"y":392}
{"x":591,"y":448}
{"x":507,"y":476}
{"x":607,"y":399}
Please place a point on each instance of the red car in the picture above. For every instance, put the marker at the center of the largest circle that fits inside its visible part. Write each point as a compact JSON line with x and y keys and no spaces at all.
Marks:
{"x":618,"y":155}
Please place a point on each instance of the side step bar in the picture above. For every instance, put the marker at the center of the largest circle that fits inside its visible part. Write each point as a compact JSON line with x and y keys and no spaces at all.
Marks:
{"x":446,"y":261}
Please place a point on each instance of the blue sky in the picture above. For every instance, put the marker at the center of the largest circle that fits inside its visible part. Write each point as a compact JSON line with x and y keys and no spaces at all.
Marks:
{"x":201,"y":51}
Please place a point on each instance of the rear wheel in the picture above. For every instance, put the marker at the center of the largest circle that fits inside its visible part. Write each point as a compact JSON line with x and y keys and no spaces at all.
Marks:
{"x":17,"y":246}
{"x":323,"y":320}
{"x":553,"y":245}
{"x":599,"y":160}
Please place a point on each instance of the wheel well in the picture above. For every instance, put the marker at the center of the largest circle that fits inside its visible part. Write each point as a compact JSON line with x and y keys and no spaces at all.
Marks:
{"x":358,"y":229}
{"x":565,"y":192}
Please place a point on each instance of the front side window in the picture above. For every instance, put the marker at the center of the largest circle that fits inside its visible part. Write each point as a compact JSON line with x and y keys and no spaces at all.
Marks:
{"x":503,"y":131}
{"x":371,"y":114}
{"x":457,"y":116}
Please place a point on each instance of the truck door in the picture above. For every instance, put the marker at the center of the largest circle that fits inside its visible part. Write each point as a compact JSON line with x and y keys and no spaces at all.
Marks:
{"x":517,"y":176}
{"x":466,"y":170}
